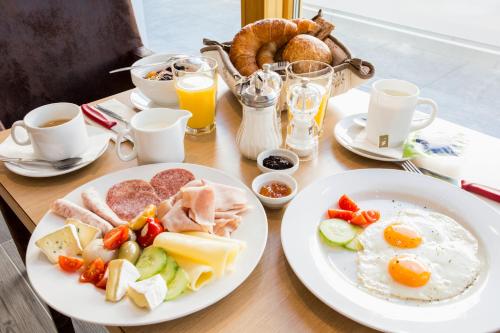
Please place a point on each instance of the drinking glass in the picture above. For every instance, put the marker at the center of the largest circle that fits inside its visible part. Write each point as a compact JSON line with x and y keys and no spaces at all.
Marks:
{"x":320,"y":76}
{"x":196,"y":86}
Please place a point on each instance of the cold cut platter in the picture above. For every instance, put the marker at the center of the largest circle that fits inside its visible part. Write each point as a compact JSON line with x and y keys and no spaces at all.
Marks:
{"x":146,"y":244}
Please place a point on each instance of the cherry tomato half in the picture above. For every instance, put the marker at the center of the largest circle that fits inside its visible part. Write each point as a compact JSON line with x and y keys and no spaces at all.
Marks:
{"x":94,"y":272}
{"x":340,"y":214}
{"x":116,"y":237}
{"x":359,"y":219}
{"x":371,"y":216}
{"x":347,"y":203}
{"x":69,"y":264}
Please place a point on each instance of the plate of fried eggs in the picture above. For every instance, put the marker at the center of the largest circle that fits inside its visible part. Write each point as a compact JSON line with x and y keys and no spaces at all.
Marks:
{"x":430,"y":263}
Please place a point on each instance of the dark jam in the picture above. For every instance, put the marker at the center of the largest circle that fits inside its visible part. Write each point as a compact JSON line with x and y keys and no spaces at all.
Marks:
{"x":277,"y":162}
{"x":275,"y":190}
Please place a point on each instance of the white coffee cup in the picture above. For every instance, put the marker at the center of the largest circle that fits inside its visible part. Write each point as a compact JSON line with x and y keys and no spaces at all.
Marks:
{"x":69,"y":139}
{"x":158,"y":135}
{"x":391,"y":110}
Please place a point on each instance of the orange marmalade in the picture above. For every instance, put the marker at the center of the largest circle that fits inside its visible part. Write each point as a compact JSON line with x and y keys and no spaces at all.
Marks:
{"x":275,"y":190}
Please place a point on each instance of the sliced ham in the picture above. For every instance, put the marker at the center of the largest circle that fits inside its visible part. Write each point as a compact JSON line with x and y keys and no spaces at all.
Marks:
{"x":224,"y":227}
{"x":68,"y":209}
{"x":200,"y":201}
{"x":177,"y":220}
{"x":93,"y":202}
{"x":226,"y":197}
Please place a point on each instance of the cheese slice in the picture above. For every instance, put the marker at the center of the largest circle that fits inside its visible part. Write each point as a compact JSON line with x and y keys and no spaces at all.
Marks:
{"x":241,"y":244}
{"x":148,"y":293}
{"x":120,"y":274}
{"x":199,"y":274}
{"x":62,"y":242}
{"x":86,"y":232}
{"x":216,"y":254}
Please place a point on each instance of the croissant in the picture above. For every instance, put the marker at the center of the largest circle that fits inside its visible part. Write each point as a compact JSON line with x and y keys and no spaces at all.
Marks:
{"x":253,"y":36}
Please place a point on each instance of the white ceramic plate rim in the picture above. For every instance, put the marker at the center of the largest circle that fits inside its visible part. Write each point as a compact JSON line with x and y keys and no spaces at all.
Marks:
{"x":42,"y":173}
{"x":343,"y":125}
{"x":299,"y":239}
{"x":253,"y":229}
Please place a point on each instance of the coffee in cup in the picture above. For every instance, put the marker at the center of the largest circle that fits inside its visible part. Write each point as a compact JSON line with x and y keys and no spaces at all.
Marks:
{"x":55,"y":131}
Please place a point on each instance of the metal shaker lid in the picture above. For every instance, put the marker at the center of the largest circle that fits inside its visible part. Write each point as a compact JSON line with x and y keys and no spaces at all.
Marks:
{"x":262,"y":89}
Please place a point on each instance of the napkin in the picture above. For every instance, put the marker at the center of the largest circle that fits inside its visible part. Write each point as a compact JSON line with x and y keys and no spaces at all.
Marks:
{"x":441,"y":152}
{"x":119,"y":108}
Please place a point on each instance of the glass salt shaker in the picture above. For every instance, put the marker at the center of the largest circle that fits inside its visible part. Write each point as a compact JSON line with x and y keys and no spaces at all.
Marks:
{"x":259,"y":129}
{"x":302,"y":130}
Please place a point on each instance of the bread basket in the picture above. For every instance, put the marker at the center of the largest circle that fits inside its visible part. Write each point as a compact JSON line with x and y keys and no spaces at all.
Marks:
{"x":349,"y":72}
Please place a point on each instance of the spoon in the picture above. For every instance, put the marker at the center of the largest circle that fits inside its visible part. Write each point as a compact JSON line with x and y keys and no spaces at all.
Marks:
{"x":64,"y":164}
{"x":168,"y":61}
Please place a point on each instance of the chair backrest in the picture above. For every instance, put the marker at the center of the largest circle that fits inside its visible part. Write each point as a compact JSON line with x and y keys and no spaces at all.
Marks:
{"x":59,"y":50}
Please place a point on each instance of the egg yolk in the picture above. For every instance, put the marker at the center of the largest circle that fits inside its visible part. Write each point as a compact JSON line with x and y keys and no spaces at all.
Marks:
{"x":401,"y":235}
{"x":408,"y":271}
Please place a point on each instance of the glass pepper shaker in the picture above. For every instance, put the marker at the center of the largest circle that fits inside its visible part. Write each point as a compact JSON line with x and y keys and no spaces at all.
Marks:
{"x":302,"y":130}
{"x":259,"y":129}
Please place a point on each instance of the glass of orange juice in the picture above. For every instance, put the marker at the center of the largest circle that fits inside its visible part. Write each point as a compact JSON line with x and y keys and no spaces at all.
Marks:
{"x":320,"y":76}
{"x":196,"y":87}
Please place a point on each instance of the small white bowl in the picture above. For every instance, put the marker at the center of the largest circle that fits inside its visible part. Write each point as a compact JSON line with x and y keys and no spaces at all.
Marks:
{"x":279,"y":152}
{"x":269,"y":177}
{"x":160,"y":92}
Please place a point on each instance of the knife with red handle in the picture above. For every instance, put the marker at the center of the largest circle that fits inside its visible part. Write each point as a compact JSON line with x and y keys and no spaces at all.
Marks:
{"x":486,"y":191}
{"x":97,"y":116}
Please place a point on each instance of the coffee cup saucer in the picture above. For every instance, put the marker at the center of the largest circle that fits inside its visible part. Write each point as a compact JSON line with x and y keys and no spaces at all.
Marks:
{"x":350,"y":135}
{"x":142,"y":102}
{"x":98,"y":143}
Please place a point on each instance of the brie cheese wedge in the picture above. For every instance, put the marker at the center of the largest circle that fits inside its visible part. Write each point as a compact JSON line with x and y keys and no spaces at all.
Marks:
{"x":148,"y":293}
{"x":62,"y":242}
{"x":86,"y":232}
{"x":120,"y":274}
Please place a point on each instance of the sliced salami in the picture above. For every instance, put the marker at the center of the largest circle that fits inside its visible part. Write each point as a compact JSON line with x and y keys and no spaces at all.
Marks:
{"x":129,"y":198}
{"x":168,"y":182}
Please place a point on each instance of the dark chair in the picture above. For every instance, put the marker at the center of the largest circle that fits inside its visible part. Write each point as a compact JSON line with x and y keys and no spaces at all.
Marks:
{"x":61,"y":51}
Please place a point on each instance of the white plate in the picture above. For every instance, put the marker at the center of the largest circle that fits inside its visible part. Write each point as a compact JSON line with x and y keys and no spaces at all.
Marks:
{"x":346,"y":130}
{"x":83,"y":301}
{"x":330,"y":273}
{"x":140,"y":101}
{"x":98,"y":143}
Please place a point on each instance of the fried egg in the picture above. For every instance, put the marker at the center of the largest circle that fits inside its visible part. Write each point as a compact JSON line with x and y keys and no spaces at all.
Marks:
{"x":418,"y":255}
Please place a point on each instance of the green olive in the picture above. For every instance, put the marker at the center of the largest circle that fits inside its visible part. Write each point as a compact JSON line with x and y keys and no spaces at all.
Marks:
{"x":129,"y":250}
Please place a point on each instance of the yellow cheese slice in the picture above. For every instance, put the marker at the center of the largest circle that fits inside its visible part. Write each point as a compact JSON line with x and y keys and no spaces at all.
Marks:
{"x":199,"y":274}
{"x":241,"y":244}
{"x":216,"y":254}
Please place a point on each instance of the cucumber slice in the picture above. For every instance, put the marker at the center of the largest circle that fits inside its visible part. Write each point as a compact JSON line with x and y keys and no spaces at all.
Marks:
{"x":168,"y":273}
{"x":336,"y":231}
{"x":178,"y":285}
{"x":151,"y":262}
{"x":354,"y":245}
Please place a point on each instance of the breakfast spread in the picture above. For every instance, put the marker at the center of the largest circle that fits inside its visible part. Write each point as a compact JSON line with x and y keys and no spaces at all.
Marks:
{"x":276,"y":162}
{"x":414,"y":254}
{"x":275,"y":190}
{"x":150,"y":241}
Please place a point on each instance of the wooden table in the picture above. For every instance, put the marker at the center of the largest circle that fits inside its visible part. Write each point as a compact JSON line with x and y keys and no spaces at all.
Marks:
{"x":272,"y":298}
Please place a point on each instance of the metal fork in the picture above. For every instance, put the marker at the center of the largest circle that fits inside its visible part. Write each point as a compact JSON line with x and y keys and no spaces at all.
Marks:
{"x":410,"y":167}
